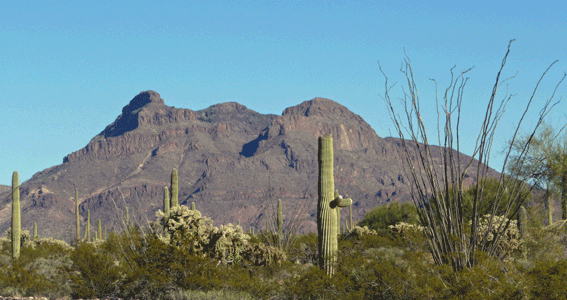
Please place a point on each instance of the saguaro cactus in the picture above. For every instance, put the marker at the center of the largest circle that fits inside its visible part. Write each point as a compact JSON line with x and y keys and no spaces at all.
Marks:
{"x":174,"y":188}
{"x":329,"y":202}
{"x":280,"y":223}
{"x":77,"y":214}
{"x":16,"y":217}
{"x":99,"y":235}
{"x":193,"y":206}
{"x":523,"y":222}
{"x":35,"y":236}
{"x":88,"y":225}
{"x":166,"y":206}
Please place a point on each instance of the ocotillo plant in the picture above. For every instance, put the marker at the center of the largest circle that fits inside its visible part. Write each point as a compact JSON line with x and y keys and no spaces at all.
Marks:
{"x":77,"y":214}
{"x":280,"y":223}
{"x":16,"y":217}
{"x":329,"y":201}
{"x":174,"y":188}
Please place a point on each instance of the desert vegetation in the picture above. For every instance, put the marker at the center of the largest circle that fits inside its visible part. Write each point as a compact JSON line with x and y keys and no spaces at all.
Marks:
{"x":201,"y":261}
{"x":490,"y":240}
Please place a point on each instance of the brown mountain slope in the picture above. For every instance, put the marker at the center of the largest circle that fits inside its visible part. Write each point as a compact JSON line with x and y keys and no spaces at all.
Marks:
{"x":231,"y":162}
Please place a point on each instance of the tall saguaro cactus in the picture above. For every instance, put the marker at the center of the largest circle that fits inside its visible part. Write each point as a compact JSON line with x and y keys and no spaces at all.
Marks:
{"x":88,"y":225}
{"x":166,"y":206}
{"x":16,"y":217}
{"x":174,"y":189}
{"x":280,"y":223}
{"x":327,"y":206}
{"x":77,"y":215}
{"x":99,"y":235}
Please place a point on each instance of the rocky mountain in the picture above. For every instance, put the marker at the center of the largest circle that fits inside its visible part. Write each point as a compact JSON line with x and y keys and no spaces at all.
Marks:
{"x":234,"y":163}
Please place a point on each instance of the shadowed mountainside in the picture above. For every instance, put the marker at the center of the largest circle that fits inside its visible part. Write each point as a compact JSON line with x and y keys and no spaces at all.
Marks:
{"x":232,"y":162}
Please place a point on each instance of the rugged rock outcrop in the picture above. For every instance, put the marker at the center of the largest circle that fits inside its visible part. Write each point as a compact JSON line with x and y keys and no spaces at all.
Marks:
{"x":234,"y":163}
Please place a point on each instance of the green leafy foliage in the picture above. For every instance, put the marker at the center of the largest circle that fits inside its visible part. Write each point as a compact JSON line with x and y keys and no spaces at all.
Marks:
{"x":383,"y":216}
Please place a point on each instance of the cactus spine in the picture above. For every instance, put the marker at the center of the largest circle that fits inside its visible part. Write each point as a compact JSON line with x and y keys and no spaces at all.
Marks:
{"x":280,"y":223}
{"x":329,"y":201}
{"x":88,"y":225}
{"x":77,"y":214}
{"x":16,"y":217}
{"x":174,"y":188}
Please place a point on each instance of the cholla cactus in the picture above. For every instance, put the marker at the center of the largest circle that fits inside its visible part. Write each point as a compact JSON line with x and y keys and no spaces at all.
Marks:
{"x":362,"y":231}
{"x":509,"y":241}
{"x":188,"y":229}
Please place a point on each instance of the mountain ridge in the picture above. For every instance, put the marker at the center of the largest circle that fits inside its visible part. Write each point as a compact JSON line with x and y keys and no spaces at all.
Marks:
{"x":233,"y":162}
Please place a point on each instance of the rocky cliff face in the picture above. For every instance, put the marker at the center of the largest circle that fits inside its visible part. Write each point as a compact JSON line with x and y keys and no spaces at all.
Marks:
{"x":234,"y":163}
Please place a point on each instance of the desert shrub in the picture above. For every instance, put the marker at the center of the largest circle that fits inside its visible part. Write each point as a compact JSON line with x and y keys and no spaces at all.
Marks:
{"x":490,"y":189}
{"x":548,"y":280}
{"x":383,"y":216}
{"x":39,"y":271}
{"x":94,"y":273}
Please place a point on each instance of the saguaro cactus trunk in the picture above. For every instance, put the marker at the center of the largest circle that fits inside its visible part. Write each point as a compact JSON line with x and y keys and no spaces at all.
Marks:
{"x":16,"y":217}
{"x":77,"y":215}
{"x":174,"y":189}
{"x":327,"y":206}
{"x":280,"y":223}
{"x":88,"y":225}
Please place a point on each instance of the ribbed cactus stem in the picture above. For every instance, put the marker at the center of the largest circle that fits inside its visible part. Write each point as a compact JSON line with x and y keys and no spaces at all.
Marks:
{"x":166,"y":206}
{"x":338,"y":219}
{"x":78,"y":236}
{"x":35,"y":236}
{"x":88,"y":225}
{"x":105,"y":236}
{"x":96,"y":235}
{"x":99,"y":237}
{"x":16,"y":216}
{"x":280,"y":223}
{"x":174,"y":189}
{"x":193,"y":206}
{"x":327,"y":205}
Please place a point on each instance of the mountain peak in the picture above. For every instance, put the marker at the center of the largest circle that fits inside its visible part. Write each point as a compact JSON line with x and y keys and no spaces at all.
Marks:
{"x":141,"y":100}
{"x":317,"y":106}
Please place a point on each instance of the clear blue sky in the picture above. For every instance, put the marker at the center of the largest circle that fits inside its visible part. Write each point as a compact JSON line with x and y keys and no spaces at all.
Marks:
{"x":67,"y":68}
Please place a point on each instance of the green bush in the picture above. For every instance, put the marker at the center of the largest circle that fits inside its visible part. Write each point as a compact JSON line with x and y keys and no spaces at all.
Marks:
{"x":383,"y":216}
